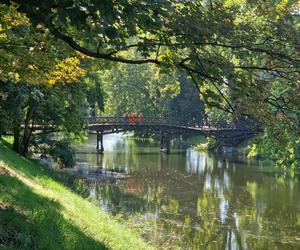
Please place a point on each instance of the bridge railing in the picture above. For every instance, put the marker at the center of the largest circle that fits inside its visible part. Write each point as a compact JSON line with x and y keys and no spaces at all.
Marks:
{"x":158,"y":121}
{"x":113,"y":120}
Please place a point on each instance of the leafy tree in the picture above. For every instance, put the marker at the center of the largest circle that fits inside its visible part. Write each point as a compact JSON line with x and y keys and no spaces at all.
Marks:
{"x":221,"y":47}
{"x":131,"y":88}
{"x":94,"y":89}
{"x":64,"y":108}
{"x":30,"y":54}
{"x":60,"y":108}
{"x":31,"y":62}
{"x":187,"y":104}
{"x":12,"y":100}
{"x":99,"y":29}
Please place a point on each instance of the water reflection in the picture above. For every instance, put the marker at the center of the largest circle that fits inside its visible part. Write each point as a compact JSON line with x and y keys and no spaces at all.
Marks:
{"x":195,"y":200}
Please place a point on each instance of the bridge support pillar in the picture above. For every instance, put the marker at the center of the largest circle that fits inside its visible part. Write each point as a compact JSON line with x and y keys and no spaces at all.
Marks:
{"x":99,"y":147}
{"x":168,"y":144}
{"x":165,"y":143}
{"x":162,"y":139}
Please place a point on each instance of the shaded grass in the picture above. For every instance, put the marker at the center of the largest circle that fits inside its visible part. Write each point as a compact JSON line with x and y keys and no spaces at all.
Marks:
{"x":31,"y":221}
{"x":37,"y":212}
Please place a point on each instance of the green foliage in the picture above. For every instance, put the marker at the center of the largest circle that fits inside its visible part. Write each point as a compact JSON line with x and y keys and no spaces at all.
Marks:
{"x":145,"y":89}
{"x":60,"y":108}
{"x":61,"y":151}
{"x":64,"y":107}
{"x":281,"y":121}
{"x":217,"y":117}
{"x":242,"y":55}
{"x":279,"y":144}
{"x":211,"y":144}
{"x":202,"y":147}
{"x":12,"y":100}
{"x":152,"y":91}
{"x":94,"y":89}
{"x":187,"y":104}
{"x":30,"y":54}
{"x":31,"y":61}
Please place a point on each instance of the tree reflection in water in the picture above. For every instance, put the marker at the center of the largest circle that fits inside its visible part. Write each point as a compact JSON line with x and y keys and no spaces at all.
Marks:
{"x":198,"y":200}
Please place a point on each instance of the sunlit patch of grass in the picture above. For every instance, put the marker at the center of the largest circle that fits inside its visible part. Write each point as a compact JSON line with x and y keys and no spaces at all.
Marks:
{"x":8,"y":139}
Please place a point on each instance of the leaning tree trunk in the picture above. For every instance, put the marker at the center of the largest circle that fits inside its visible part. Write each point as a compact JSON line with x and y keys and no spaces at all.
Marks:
{"x":27,"y":128}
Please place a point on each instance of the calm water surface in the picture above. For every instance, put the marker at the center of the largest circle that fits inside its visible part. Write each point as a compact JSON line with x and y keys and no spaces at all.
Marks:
{"x":193,"y":200}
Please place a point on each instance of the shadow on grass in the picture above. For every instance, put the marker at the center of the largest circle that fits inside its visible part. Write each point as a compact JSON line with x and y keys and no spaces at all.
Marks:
{"x":35,"y":222}
{"x":33,"y":170}
{"x":26,"y":166}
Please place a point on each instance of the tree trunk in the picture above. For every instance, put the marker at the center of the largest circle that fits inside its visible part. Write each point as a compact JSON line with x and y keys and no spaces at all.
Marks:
{"x":27,"y":129}
{"x":16,"y":144}
{"x":26,"y":139}
{"x":93,"y":110}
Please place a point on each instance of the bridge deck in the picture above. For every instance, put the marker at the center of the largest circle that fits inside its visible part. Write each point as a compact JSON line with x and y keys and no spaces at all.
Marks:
{"x":171,"y":125}
{"x":165,"y":127}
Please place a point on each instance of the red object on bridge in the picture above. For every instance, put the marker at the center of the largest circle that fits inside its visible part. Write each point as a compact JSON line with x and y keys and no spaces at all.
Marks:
{"x":131,"y":118}
{"x":141,"y":118}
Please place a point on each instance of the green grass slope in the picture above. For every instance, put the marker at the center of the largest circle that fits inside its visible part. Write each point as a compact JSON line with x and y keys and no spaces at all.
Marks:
{"x":38,"y":212}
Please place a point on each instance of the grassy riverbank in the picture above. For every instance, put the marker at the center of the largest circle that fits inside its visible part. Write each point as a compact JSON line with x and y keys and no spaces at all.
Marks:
{"x":38,"y":212}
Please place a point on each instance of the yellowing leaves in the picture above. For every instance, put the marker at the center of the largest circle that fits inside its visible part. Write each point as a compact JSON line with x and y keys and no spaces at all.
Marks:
{"x":66,"y":71}
{"x":230,"y":3}
{"x":30,"y":56}
{"x":11,"y":18}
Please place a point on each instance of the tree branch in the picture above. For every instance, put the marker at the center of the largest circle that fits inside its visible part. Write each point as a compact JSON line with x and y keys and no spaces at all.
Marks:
{"x":107,"y":56}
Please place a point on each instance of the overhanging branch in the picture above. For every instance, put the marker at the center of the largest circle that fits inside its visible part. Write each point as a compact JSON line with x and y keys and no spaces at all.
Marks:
{"x":107,"y":56}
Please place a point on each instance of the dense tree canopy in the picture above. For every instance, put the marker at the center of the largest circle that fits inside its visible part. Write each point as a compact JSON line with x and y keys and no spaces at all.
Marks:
{"x":139,"y":89}
{"x":241,"y":55}
{"x":31,"y":54}
{"x":233,"y":46}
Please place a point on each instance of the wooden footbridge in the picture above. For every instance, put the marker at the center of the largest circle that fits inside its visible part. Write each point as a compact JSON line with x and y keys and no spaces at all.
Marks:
{"x":167,"y":128}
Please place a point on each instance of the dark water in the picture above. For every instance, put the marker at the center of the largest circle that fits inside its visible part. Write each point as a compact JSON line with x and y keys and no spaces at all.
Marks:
{"x":194,"y":200}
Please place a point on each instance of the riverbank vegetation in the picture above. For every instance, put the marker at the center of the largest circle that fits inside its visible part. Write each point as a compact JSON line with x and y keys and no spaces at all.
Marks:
{"x":37,"y":212}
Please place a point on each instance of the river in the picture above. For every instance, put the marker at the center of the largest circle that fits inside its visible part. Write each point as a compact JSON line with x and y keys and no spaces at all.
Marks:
{"x":192,"y":200}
